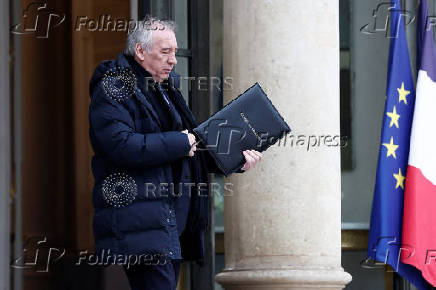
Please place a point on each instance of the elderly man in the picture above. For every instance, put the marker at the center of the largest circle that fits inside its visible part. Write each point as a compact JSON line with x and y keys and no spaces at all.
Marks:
{"x":145,"y":162}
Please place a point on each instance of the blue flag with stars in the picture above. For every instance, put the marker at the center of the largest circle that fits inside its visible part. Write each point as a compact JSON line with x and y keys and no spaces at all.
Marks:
{"x":384,"y":245}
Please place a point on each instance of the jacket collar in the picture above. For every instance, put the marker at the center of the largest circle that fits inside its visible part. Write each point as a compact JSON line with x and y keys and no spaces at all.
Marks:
{"x":142,"y":77}
{"x":144,"y":80}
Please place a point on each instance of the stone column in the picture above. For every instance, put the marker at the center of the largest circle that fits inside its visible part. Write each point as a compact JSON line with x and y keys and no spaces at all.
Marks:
{"x":283,"y":221}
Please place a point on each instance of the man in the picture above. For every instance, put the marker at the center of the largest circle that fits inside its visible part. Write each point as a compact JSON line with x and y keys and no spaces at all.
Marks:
{"x":141,"y":133}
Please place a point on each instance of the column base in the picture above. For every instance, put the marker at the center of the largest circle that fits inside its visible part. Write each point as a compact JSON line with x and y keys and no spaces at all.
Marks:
{"x":295,"y":279}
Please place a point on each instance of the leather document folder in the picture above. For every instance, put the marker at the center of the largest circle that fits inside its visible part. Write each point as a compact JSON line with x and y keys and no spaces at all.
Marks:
{"x":248,"y":122}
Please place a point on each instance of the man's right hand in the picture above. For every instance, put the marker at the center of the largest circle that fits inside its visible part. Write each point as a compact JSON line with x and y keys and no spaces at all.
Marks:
{"x":192,"y":142}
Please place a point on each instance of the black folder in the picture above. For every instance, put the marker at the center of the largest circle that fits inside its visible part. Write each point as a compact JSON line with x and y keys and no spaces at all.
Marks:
{"x":248,"y":122}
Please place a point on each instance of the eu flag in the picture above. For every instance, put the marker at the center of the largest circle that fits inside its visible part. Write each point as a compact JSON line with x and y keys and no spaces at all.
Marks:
{"x":384,"y":243}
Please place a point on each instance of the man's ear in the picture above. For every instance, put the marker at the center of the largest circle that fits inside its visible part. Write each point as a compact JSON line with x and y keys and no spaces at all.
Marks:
{"x":139,"y":51}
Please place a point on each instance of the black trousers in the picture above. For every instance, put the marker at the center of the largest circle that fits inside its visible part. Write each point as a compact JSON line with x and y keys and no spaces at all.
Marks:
{"x":154,"y":277}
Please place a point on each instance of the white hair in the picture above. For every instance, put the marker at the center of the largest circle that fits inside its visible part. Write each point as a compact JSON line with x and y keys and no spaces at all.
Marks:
{"x":143,"y":33}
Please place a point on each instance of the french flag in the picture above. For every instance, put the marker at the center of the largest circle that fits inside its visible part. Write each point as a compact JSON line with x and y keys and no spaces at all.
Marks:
{"x":419,"y":216}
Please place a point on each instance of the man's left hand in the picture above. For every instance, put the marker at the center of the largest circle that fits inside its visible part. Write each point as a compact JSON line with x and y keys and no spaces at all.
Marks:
{"x":252,"y":157}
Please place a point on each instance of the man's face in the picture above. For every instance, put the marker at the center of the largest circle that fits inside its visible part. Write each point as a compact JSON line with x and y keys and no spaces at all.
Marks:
{"x":162,"y":58}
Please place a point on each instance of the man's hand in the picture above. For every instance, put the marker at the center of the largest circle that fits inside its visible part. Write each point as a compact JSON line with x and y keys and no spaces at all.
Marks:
{"x":252,"y":157}
{"x":192,"y":142}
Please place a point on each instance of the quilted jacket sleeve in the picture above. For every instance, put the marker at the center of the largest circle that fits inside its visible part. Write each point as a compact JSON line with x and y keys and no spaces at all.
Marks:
{"x":113,"y":129}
